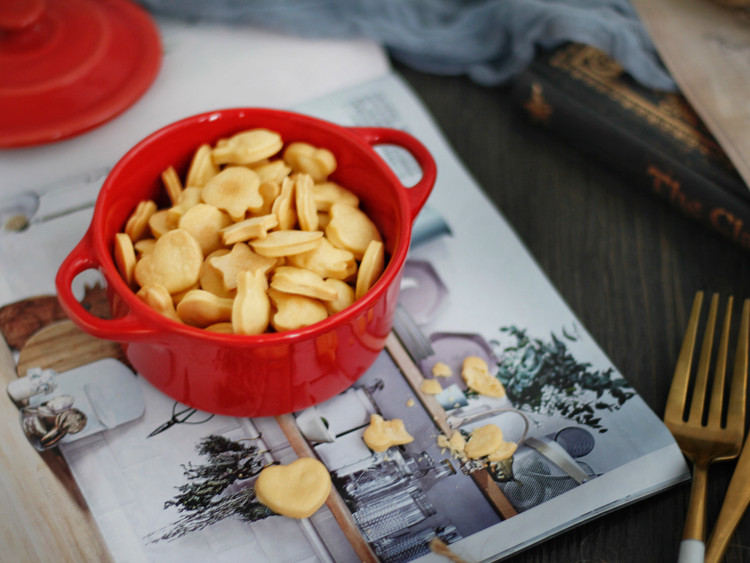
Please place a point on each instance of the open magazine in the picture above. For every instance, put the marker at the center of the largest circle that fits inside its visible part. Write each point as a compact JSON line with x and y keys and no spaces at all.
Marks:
{"x":168,"y":483}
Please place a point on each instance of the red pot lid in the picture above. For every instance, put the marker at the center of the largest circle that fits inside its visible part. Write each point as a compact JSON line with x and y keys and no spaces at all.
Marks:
{"x":67,"y":66}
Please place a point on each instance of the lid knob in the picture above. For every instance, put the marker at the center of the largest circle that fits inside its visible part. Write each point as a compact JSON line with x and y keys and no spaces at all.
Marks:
{"x":18,"y":14}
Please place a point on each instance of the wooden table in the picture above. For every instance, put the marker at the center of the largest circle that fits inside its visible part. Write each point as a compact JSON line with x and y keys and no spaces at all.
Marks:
{"x":626,"y":263}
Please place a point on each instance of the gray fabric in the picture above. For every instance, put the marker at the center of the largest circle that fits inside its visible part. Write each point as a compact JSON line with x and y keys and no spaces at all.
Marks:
{"x":491,"y":41}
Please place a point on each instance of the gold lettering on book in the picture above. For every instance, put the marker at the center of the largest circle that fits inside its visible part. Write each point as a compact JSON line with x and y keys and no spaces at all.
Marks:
{"x":729,"y":224}
{"x":668,"y":112}
{"x":722,"y":220}
{"x":537,"y":106}
{"x":666,"y":186}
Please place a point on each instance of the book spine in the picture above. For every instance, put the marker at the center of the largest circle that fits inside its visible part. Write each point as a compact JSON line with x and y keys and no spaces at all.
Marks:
{"x":644,"y":164}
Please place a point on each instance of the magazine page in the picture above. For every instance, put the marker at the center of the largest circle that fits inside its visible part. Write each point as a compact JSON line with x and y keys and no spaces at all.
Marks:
{"x":474,"y":290}
{"x":168,"y":483}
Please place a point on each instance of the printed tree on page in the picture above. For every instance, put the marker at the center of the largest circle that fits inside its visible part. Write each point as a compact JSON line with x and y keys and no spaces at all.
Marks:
{"x":208,"y":497}
{"x":544,"y":377}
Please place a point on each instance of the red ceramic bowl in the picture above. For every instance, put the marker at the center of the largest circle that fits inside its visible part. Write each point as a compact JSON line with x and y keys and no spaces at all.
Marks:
{"x":273,"y":373}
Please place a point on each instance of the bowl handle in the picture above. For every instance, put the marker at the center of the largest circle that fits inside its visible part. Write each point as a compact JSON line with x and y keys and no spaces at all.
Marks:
{"x":419,"y":192}
{"x":121,"y":329}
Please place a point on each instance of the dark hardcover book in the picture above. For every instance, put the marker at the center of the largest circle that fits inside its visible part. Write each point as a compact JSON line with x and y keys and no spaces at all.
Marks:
{"x":654,"y":138}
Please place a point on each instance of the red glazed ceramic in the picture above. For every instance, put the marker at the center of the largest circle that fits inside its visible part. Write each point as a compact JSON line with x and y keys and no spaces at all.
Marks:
{"x":68,"y":66}
{"x":273,"y":373}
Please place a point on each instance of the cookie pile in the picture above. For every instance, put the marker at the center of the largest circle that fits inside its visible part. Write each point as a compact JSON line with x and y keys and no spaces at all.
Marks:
{"x":256,"y":239}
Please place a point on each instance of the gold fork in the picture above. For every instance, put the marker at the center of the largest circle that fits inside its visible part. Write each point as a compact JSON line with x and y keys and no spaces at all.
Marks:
{"x":706,"y":438}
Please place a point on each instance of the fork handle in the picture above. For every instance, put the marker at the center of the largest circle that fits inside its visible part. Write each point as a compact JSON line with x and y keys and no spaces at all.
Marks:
{"x":692,"y":548}
{"x":691,"y":551}
{"x":735,"y":503}
{"x":695,"y":522}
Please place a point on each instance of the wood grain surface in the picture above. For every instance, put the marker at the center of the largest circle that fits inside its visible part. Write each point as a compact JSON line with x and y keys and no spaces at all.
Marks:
{"x":628,"y":266}
{"x":44,"y":516}
{"x":62,"y":346}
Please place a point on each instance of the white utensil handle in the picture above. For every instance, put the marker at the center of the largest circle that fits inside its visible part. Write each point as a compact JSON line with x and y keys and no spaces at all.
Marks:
{"x":691,"y":551}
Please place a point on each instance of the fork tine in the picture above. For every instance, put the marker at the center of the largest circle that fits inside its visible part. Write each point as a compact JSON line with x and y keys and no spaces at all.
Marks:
{"x":738,"y":388}
{"x":737,"y":496}
{"x":717,"y":391}
{"x":698,"y":402}
{"x":678,"y":390}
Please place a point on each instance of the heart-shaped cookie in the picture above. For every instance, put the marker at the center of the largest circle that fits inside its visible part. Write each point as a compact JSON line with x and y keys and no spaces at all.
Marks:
{"x":296,"y":490}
